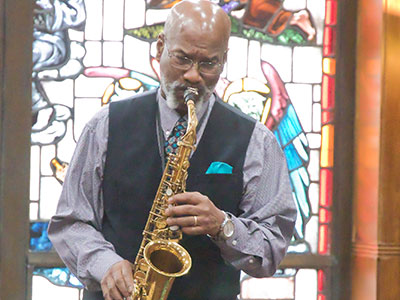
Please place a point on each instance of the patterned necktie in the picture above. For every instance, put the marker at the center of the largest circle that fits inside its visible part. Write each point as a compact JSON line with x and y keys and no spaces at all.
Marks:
{"x":171,"y":144}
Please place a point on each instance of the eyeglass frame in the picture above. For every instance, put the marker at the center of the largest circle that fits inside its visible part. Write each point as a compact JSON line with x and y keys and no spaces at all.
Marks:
{"x":191,"y":62}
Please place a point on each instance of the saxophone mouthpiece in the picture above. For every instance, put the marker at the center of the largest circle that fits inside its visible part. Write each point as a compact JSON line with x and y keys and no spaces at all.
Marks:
{"x":191,"y":93}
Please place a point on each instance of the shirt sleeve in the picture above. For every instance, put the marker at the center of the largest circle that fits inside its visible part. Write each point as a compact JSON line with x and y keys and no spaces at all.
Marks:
{"x":75,"y":229}
{"x":264,"y":230}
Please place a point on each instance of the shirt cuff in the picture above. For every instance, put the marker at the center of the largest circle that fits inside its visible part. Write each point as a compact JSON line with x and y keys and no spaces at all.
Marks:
{"x":104,"y":260}
{"x":239,"y":241}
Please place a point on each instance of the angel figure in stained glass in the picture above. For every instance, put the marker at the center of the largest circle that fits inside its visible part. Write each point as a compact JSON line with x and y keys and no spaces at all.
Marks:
{"x":270,"y":104}
{"x":53,"y":59}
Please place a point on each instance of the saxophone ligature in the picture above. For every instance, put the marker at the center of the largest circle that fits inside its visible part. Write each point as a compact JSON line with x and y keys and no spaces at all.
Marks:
{"x":160,"y":258}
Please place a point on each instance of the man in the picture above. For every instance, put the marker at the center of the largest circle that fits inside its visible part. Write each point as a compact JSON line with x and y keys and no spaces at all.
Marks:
{"x":240,"y":220}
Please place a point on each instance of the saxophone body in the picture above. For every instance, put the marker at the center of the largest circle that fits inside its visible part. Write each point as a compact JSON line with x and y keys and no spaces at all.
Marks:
{"x":160,"y":258}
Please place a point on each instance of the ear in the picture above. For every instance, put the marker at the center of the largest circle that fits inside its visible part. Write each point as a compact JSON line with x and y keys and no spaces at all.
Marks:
{"x":160,"y":46}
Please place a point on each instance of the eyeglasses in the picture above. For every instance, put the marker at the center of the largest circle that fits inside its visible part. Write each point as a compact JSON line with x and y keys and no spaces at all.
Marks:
{"x":184,"y":63}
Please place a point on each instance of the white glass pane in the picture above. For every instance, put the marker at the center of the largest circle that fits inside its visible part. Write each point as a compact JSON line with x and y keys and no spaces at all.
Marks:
{"x":317,"y":117}
{"x":280,"y":57}
{"x":313,"y":167}
{"x":60,"y":91}
{"x":42,"y":289}
{"x":307,"y":64}
{"x":93,"y":54}
{"x":33,"y":211}
{"x":306,"y":284}
{"x":48,"y":74}
{"x":47,"y":154}
{"x":311,"y":235}
{"x":50,"y":190}
{"x":91,"y":87}
{"x":314,"y":140}
{"x":268,"y":288}
{"x":75,"y":35}
{"x":94,"y":19}
{"x":71,"y":68}
{"x":77,"y":50}
{"x":112,"y":54}
{"x":35,"y":173}
{"x":154,"y":16}
{"x":237,"y":58}
{"x":113,"y":20}
{"x":301,"y":97}
{"x":66,"y":146}
{"x":254,"y":67}
{"x":317,"y":93}
{"x":313,"y":195}
{"x":137,"y":55}
{"x":294,"y":4}
{"x":85,"y":108}
{"x":134,"y":13}
{"x":317,"y":10}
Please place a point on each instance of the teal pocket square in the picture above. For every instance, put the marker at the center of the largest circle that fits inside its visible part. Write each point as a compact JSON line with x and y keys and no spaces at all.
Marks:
{"x":218,"y":167}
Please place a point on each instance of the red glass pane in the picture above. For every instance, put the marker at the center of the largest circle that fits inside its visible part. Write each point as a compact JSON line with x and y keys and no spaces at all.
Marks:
{"x":325,"y":216}
{"x":327,"y":117}
{"x":321,"y":277}
{"x":326,"y":181}
{"x":328,"y":92}
{"x":323,"y":239}
{"x":331,"y":12}
{"x":329,"y":41}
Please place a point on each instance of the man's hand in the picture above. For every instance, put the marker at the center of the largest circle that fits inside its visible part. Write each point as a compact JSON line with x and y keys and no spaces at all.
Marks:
{"x":194,"y":213}
{"x":117,"y":283}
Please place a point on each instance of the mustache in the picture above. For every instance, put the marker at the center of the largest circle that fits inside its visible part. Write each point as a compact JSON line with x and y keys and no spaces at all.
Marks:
{"x":182,"y":87}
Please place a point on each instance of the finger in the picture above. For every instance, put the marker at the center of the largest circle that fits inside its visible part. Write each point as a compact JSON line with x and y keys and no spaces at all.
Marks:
{"x":194,"y":230}
{"x":120,"y":282}
{"x":182,"y":210}
{"x":110,"y":291}
{"x":186,"y":198}
{"x":188,"y":221}
{"x":115,"y":294}
{"x":128,"y":276}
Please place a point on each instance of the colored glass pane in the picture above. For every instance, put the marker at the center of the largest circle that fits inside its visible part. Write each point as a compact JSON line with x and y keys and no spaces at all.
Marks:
{"x":326,"y":184}
{"x":328,"y":92}
{"x":331,"y":12}
{"x":39,"y":241}
{"x":59,"y":276}
{"x":323,"y":239}
{"x":329,"y":66}
{"x":321,"y":279}
{"x":327,"y":117}
{"x":327,"y":145}
{"x":329,"y":41}
{"x":325,"y":216}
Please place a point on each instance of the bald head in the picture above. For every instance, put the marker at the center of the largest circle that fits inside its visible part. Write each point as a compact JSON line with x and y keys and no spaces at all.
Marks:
{"x":201,"y":16}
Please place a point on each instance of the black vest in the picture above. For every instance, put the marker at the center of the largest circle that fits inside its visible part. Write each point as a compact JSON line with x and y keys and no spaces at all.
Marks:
{"x":133,"y":172}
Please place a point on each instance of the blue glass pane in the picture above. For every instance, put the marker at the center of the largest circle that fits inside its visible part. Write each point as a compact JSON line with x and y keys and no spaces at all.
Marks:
{"x":59,"y":276}
{"x":39,"y":241}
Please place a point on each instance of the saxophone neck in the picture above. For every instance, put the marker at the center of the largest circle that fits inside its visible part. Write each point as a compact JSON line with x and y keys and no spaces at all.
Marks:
{"x":190,"y":95}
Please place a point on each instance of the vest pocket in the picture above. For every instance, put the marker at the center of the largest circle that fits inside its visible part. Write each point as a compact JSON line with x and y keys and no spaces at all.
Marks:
{"x":225,"y":190}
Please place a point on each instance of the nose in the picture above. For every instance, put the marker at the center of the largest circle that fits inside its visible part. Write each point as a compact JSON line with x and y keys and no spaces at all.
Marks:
{"x":193,"y":75}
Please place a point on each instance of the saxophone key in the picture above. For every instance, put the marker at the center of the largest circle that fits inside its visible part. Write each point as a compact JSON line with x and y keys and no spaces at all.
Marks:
{"x":161,"y":223}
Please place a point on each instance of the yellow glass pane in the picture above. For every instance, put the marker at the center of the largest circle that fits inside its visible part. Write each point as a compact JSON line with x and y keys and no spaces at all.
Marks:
{"x":327,"y":145}
{"x":329,"y":66}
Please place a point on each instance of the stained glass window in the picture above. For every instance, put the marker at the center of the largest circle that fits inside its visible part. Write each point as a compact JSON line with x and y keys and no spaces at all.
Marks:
{"x":280,"y":70}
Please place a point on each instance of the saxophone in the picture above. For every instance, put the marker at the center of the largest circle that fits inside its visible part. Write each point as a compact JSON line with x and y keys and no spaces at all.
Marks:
{"x":160,"y":258}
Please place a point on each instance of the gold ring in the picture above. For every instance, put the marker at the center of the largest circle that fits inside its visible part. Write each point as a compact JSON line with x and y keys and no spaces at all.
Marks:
{"x":195,"y":221}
